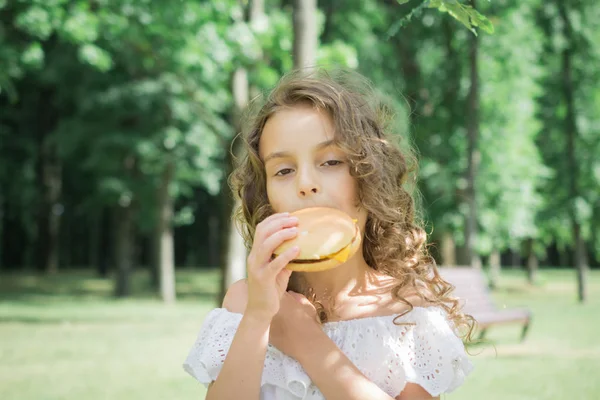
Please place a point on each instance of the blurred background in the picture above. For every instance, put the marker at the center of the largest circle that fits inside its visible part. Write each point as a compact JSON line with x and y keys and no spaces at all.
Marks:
{"x":116,"y":123}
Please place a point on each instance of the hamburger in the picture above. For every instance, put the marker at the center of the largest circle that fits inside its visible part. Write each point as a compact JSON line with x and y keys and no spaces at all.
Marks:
{"x":327,"y":237}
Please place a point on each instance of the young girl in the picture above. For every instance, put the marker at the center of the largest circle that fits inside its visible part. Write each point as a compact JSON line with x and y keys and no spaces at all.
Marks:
{"x":380,"y":326}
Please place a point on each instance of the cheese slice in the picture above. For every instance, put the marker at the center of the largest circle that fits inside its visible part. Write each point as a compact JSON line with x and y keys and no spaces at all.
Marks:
{"x":342,"y":255}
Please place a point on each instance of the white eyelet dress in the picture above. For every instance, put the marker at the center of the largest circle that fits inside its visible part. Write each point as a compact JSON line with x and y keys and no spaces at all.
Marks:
{"x":427,"y":353}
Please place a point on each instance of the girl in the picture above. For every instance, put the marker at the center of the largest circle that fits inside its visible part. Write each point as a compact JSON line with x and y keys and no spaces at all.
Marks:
{"x":382,"y":325}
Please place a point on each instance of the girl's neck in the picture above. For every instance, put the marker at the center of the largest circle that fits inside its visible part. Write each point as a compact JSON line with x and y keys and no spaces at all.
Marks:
{"x":331,"y":289}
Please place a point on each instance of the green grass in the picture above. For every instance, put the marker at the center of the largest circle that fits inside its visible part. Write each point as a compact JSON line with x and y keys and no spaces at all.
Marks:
{"x":64,"y":337}
{"x":560,"y":358}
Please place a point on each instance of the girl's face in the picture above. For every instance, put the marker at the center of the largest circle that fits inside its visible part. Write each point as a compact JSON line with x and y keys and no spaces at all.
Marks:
{"x":303,"y":167}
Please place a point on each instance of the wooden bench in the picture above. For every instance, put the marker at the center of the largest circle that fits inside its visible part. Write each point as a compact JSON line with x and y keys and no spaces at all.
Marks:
{"x":471,"y":287}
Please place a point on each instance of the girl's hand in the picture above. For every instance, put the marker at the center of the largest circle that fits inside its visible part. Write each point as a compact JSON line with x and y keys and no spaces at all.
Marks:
{"x":294,"y":325}
{"x":267,"y":277}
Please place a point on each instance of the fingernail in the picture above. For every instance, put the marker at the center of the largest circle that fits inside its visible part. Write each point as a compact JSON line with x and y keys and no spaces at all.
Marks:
{"x":293,"y":219}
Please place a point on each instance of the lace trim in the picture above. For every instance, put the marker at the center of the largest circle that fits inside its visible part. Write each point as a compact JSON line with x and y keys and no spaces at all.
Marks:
{"x":427,"y":352}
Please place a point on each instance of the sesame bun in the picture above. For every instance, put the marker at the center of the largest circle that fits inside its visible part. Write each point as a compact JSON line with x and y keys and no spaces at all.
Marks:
{"x":327,"y":237}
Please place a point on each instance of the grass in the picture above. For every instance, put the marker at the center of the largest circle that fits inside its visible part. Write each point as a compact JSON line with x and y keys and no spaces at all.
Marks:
{"x":561,"y":355}
{"x":64,"y":337}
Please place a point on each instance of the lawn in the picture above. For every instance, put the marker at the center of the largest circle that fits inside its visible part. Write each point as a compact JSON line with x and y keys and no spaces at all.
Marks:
{"x":63,"y":337}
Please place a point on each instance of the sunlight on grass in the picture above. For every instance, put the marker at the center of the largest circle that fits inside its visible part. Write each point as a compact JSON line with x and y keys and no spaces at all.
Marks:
{"x":562,"y":350}
{"x":65,"y":336}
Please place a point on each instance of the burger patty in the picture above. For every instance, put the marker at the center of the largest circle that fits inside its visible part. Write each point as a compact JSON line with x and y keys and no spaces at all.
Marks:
{"x":308,"y":261}
{"x":326,"y":258}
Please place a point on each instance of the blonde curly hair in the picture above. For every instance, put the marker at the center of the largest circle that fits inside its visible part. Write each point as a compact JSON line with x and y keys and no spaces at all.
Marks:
{"x":394,"y":240}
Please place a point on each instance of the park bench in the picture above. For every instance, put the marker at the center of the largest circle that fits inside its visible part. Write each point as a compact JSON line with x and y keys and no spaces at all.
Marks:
{"x":471,"y":287}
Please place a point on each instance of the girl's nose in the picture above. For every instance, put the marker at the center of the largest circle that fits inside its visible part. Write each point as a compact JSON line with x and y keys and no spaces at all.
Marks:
{"x":304,"y":192}
{"x":307,"y":184}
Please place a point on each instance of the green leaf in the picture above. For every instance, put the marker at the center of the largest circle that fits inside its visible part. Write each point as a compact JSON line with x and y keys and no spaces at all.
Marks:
{"x":95,"y":56}
{"x":185,"y":216}
{"x":33,"y":56}
{"x":465,"y":14}
{"x":479,"y":20}
{"x":81,"y":27}
{"x":36,"y":21}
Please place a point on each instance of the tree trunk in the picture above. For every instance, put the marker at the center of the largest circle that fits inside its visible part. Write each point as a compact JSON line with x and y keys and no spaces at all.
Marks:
{"x":1,"y":232}
{"x":580,"y":263}
{"x":106,"y":254}
{"x":94,"y":232}
{"x":453,"y":73}
{"x":155,"y":259}
{"x":563,"y":257}
{"x":448,"y":249}
{"x":191,"y":252}
{"x":595,"y":251}
{"x":68,"y":253}
{"x":495,"y":268}
{"x":213,"y":240}
{"x":49,"y":183}
{"x":472,"y":151}
{"x":406,"y":50}
{"x":463,"y":257}
{"x":164,"y":236}
{"x":305,"y":33}
{"x":515,"y":258}
{"x":123,"y":250}
{"x":234,"y":254}
{"x":572,"y":134}
{"x":532,"y":262}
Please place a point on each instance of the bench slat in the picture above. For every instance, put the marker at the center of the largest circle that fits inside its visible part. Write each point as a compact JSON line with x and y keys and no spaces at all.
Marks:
{"x":471,"y":288}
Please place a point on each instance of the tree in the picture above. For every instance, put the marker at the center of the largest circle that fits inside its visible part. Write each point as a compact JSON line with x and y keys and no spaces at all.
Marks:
{"x":511,"y":171}
{"x":569,"y":143}
{"x":473,"y":153}
{"x":572,"y":133}
{"x":305,"y":33}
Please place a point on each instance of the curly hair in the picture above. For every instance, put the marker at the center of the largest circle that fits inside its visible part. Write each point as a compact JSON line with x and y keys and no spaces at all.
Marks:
{"x":394,"y":241}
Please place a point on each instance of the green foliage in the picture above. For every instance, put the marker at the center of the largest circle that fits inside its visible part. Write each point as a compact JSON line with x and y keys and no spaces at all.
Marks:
{"x":511,"y":170}
{"x":120,"y":90}
{"x":465,"y":14}
{"x":555,"y":216}
{"x":143,"y":83}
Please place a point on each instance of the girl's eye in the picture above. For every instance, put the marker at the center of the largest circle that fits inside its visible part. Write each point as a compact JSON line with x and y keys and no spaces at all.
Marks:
{"x":284,"y":171}
{"x":332,"y":162}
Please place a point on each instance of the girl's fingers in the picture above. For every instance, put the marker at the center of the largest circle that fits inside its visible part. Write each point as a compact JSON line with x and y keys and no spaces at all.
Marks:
{"x":272,"y":242}
{"x":283,"y":278}
{"x":269,"y":226}
{"x":282,"y":260}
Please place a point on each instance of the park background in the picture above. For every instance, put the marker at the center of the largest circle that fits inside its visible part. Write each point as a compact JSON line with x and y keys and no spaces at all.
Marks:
{"x":116,"y":124}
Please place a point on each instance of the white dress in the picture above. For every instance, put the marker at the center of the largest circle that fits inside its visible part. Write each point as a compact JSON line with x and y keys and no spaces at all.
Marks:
{"x":427,"y":353}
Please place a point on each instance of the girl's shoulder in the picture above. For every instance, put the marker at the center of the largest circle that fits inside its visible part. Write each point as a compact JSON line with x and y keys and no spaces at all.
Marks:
{"x":236,"y":298}
{"x":420,"y":345}
{"x":417,"y":347}
{"x":431,"y":321}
